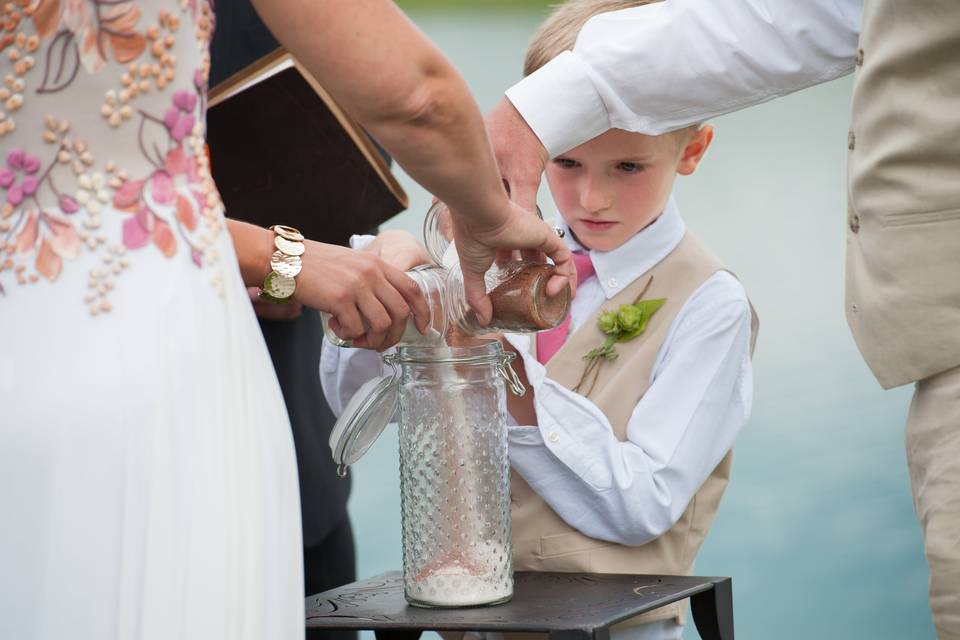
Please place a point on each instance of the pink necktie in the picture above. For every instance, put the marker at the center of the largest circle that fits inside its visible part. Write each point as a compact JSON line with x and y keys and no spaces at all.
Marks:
{"x":549,"y":342}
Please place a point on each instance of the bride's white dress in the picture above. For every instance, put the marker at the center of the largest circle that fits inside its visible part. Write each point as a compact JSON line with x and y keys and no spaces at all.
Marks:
{"x":148,"y":481}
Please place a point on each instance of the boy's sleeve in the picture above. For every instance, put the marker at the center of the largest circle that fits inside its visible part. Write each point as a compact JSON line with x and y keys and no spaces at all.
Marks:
{"x":667,"y":65}
{"x":699,"y":398}
{"x":343,"y":371}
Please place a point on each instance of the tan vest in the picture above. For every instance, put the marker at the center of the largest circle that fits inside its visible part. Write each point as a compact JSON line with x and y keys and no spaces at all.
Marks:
{"x":542,"y":541}
{"x":903,"y":223}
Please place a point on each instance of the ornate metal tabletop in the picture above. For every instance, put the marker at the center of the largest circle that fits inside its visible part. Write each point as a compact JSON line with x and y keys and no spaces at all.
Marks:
{"x":568,"y":606}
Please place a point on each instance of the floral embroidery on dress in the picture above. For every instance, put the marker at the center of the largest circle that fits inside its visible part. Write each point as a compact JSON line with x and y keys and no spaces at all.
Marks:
{"x":54,"y":197}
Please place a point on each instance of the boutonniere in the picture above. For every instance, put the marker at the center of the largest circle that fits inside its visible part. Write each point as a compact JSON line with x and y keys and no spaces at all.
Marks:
{"x":621,"y":325}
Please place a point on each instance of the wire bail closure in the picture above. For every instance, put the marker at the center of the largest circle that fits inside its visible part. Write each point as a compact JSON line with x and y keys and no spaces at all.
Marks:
{"x":513,"y":380}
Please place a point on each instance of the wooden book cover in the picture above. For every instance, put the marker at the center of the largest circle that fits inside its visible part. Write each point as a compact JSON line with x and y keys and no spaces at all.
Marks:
{"x":283,"y":152}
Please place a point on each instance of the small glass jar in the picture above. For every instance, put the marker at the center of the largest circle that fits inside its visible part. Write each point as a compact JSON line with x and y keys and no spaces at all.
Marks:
{"x":438,"y":234}
{"x":518,"y":292}
{"x":432,"y":283}
{"x":454,"y":469}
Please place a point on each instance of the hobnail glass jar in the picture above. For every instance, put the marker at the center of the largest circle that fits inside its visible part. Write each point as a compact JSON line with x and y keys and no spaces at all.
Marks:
{"x":454,"y":474}
{"x":454,"y":470}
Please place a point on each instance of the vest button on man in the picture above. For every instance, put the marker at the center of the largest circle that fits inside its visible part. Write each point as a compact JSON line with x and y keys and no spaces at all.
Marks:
{"x":851,"y":141}
{"x":854,"y":223}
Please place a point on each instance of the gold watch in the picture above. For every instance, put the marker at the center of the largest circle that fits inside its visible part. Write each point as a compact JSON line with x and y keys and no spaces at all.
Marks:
{"x":285,"y":264}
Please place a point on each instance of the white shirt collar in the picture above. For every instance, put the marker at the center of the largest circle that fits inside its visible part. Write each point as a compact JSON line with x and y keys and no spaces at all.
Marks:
{"x":617,"y":269}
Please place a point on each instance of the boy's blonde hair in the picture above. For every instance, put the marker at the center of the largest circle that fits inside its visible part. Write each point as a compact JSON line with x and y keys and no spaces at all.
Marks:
{"x":558,"y":33}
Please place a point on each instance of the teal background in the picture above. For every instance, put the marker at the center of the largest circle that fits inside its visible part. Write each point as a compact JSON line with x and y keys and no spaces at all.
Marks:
{"x":817,"y":528}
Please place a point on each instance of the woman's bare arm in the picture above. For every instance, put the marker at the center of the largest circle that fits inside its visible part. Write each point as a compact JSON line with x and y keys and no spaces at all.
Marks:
{"x":398,"y":85}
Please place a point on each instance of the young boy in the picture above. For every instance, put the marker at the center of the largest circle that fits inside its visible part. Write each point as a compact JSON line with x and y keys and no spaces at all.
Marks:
{"x":619,"y":463}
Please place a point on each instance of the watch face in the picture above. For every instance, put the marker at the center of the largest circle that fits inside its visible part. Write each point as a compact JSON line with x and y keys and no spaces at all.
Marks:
{"x":289,"y":247}
{"x":286,"y":265}
{"x":287,"y":232}
{"x":279,"y":285}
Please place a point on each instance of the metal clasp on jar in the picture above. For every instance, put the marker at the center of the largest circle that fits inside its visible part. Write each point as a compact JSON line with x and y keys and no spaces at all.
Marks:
{"x":505,"y":369}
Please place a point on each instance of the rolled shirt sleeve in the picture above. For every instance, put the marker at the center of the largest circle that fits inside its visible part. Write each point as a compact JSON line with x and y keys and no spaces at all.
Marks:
{"x":667,"y":65}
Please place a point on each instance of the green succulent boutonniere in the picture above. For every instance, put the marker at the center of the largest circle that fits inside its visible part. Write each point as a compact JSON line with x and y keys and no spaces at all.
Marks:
{"x":621,"y":325}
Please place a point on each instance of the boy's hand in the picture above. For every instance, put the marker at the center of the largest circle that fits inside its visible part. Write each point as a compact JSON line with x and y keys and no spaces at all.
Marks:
{"x":399,"y":249}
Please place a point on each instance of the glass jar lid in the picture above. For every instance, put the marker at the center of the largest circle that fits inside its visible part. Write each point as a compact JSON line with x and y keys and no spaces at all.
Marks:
{"x":365,"y":417}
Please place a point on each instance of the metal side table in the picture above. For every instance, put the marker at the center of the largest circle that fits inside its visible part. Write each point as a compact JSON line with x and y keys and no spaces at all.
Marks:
{"x":568,"y":606}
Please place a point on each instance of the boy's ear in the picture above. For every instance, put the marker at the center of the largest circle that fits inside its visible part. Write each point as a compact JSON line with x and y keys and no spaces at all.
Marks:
{"x":693,"y":150}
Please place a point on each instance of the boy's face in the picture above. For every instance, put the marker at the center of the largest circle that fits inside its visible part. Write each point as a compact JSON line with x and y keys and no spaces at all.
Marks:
{"x":614,"y":185}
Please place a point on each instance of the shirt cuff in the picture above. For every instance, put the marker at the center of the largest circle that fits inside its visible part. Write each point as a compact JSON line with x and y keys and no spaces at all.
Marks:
{"x":561,"y":104}
{"x":361,"y":242}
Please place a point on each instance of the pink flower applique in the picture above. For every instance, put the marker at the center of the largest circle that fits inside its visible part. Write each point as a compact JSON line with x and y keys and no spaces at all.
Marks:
{"x":24,"y":166}
{"x":179,"y":118}
{"x":171,"y":197}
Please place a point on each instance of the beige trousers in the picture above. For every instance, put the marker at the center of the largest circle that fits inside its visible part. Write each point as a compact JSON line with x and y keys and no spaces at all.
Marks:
{"x":933,"y":457}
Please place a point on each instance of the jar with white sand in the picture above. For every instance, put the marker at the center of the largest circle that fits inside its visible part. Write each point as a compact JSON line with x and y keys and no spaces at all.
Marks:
{"x":454,"y":469}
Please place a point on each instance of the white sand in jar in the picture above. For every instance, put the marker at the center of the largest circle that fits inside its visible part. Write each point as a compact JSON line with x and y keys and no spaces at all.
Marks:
{"x":454,"y":585}
{"x":413,"y":338}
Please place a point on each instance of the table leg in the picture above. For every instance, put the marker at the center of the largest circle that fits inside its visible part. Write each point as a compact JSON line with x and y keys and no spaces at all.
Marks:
{"x":581,"y":634}
{"x":397,"y":634}
{"x":713,"y":611}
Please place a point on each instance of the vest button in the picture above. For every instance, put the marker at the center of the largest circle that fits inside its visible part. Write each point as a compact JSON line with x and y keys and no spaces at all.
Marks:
{"x":851,"y":140}
{"x":859,"y":59}
{"x":854,"y":307}
{"x":855,"y":223}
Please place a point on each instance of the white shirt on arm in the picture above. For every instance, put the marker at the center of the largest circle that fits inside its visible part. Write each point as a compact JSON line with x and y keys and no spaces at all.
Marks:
{"x":667,"y":65}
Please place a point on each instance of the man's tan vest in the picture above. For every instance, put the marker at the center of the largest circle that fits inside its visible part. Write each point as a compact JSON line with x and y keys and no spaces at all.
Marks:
{"x":903,"y":222}
{"x":544,"y":542}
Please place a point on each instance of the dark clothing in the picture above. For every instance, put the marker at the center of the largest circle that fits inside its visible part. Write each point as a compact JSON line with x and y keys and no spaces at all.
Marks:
{"x":331,"y":565}
{"x":240,"y":38}
{"x":295,"y":349}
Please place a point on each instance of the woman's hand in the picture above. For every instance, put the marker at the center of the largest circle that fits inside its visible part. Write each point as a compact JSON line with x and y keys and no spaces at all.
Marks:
{"x":370,"y":300}
{"x":478,"y":246}
{"x":399,"y":249}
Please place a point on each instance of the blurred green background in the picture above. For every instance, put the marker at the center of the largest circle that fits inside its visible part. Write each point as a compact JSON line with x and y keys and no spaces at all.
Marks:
{"x":817,"y":528}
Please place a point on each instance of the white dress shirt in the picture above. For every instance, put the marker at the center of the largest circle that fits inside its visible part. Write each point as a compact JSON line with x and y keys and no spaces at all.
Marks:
{"x":699,"y":397}
{"x":667,"y":65}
